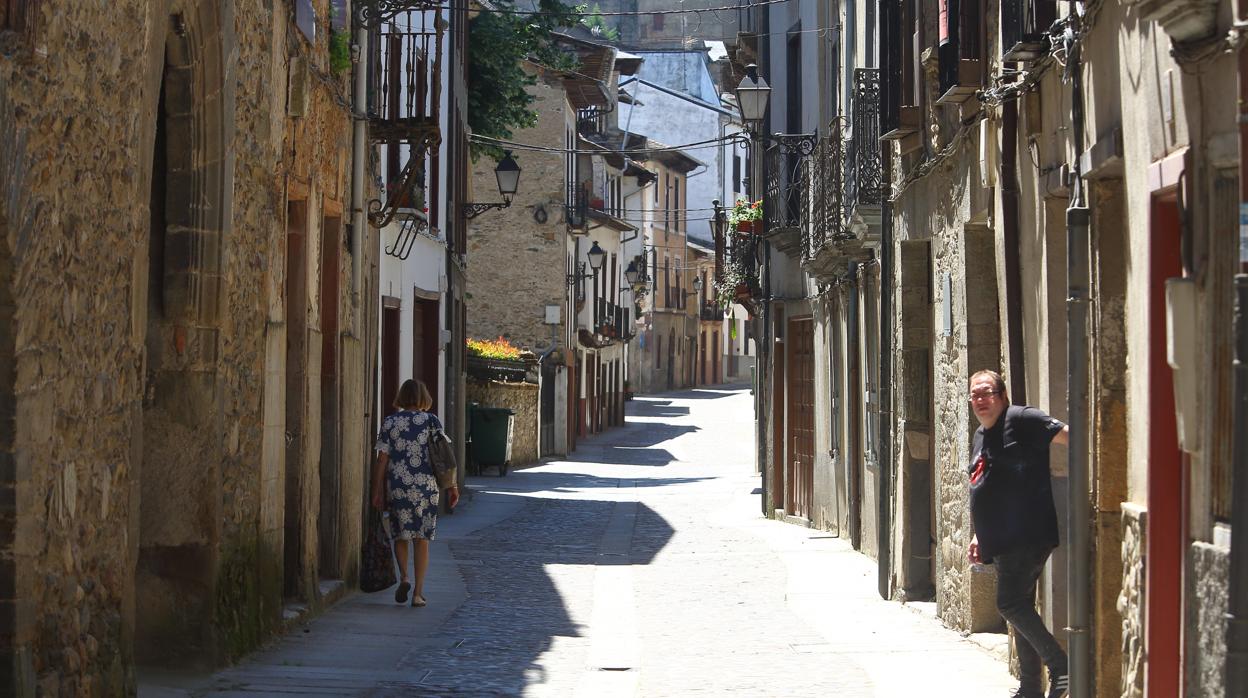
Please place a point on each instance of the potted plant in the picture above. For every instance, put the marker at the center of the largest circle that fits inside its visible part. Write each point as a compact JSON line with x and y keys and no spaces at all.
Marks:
{"x":746,"y":217}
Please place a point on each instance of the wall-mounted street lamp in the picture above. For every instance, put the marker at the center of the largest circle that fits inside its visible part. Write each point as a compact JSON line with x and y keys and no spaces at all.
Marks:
{"x":753,"y":95}
{"x":507,"y":172}
{"x":697,"y":287}
{"x":597,"y":256}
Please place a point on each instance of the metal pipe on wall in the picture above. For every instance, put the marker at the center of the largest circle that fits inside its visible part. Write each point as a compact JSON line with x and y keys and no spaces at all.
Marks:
{"x":884,"y":410}
{"x":1078,"y":217}
{"x":1010,"y":249}
{"x":359,"y":158}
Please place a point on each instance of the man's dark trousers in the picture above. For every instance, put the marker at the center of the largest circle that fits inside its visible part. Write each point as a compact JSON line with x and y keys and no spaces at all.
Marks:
{"x":1017,"y":574}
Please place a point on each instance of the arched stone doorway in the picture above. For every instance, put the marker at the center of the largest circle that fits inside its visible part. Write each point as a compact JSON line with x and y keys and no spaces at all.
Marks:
{"x":178,"y":507}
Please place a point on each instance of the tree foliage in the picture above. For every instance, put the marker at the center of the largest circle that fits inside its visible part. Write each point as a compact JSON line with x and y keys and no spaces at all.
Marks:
{"x":499,"y":41}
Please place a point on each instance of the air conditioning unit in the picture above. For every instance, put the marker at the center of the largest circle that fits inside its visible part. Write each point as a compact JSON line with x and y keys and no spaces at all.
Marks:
{"x":297,"y":87}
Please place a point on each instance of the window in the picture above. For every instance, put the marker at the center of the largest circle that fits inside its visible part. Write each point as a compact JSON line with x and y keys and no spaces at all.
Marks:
{"x":658,"y":351}
{"x":1023,"y":25}
{"x":959,"y":49}
{"x":736,"y":172}
{"x":658,"y":22}
{"x":667,"y":281}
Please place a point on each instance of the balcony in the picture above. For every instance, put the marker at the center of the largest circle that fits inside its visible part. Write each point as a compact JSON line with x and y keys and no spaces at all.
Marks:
{"x":844,"y":187}
{"x":404,"y":72}
{"x":1024,"y":25}
{"x":610,"y":320}
{"x":864,"y":172}
{"x":782,"y":199}
{"x":823,"y":225}
{"x":576,"y":208}
{"x":711,"y":313}
{"x":741,"y":269}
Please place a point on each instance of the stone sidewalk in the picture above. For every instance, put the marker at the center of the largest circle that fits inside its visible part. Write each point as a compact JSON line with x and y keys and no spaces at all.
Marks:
{"x":642,"y":567}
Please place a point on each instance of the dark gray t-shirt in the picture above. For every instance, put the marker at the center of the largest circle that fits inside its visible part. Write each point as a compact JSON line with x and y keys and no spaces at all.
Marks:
{"x":1011,"y":487}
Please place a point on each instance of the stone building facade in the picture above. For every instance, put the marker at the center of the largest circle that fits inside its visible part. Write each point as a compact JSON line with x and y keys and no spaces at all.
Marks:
{"x":175,"y":282}
{"x":981,"y":147}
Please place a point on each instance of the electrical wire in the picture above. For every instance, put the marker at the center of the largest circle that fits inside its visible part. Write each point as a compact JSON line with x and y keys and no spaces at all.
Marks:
{"x":718,"y":142}
{"x":649,"y":13}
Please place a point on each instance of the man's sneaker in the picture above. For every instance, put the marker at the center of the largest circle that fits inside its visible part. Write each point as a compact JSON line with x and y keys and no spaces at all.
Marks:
{"x":1059,"y":685}
{"x":1020,"y":693}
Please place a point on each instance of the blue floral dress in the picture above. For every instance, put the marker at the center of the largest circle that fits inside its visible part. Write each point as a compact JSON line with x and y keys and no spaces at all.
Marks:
{"x":411,"y":488}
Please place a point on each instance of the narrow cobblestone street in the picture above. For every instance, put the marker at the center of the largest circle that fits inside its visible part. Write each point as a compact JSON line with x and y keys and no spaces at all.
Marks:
{"x":640,"y":568}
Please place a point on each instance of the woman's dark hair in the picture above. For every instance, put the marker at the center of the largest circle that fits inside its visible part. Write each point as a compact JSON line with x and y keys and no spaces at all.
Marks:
{"x":413,"y":395}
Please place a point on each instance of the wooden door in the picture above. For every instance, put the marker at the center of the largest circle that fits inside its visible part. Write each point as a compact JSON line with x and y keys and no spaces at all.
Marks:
{"x":1167,"y":473}
{"x":425,"y":335}
{"x":800,"y":434}
{"x":389,"y":355}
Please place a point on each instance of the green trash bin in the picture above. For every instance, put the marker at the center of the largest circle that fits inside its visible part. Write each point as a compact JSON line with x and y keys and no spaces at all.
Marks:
{"x":492,"y":429}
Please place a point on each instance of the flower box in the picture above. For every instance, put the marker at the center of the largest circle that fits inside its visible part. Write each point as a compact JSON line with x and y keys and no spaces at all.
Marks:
{"x":505,"y":370}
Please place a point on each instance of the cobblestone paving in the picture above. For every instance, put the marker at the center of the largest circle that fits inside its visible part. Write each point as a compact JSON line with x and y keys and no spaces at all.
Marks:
{"x":640,"y":568}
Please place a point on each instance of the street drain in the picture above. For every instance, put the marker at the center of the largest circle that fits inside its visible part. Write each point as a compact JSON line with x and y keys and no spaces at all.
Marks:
{"x":615,"y":668}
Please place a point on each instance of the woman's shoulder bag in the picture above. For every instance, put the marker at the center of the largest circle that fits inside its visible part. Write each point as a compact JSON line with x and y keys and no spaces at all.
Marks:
{"x":442,"y":456}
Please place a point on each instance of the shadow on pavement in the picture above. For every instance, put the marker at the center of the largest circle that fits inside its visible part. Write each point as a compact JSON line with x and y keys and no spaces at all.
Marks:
{"x":515,"y":611}
{"x":536,"y":482}
{"x":704,"y":393}
{"x":655,"y":408}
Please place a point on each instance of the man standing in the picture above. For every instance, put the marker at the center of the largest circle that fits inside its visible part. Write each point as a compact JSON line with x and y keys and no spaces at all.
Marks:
{"x":1015,"y":520}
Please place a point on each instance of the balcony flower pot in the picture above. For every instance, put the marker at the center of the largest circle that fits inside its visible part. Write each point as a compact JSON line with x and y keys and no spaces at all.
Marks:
{"x":748,"y":227}
{"x":596,"y":204}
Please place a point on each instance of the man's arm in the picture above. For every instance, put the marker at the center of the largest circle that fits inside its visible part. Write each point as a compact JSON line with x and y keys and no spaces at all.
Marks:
{"x":1062,"y":437}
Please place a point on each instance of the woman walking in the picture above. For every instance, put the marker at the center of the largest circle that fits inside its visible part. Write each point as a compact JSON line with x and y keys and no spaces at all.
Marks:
{"x":404,"y":483}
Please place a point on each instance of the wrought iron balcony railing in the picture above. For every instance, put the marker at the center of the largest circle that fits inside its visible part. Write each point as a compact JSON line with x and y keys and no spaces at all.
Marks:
{"x":782,"y":198}
{"x":864,"y":177}
{"x":823,"y":215}
{"x":404,"y":83}
{"x":576,"y":206}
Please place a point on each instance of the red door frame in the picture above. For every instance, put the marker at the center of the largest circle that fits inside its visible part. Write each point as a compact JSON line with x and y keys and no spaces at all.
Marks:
{"x":1167,"y":476}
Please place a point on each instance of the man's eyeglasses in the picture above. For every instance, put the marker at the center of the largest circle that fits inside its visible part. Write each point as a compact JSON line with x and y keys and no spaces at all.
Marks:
{"x":984,"y":394}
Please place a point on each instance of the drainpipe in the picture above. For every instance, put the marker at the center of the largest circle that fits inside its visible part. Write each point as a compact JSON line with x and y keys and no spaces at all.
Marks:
{"x":1078,"y":215}
{"x":1010,"y":248}
{"x":854,"y":449}
{"x":359,"y":158}
{"x":884,"y":404}
{"x":1237,"y":604}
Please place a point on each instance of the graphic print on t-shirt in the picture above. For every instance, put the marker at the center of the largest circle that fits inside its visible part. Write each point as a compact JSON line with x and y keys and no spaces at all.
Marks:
{"x":979,"y":470}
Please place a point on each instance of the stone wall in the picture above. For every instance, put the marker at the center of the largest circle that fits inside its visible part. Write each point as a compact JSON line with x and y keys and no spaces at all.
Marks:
{"x":143,"y":270}
{"x":1131,"y":601}
{"x":517,"y":263}
{"x":1207,"y":589}
{"x":524,"y":400}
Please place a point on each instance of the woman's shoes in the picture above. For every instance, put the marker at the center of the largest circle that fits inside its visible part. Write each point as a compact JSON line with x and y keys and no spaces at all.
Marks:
{"x":400,"y":594}
{"x":418,"y":601}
